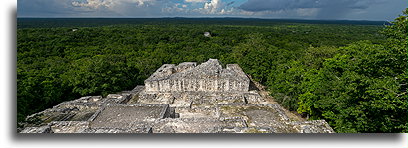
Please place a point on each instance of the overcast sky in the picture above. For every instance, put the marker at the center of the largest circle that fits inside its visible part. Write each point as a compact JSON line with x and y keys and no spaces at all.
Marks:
{"x":285,"y":9}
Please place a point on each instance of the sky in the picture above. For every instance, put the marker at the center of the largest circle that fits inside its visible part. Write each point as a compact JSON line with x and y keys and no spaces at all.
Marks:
{"x":381,"y":10}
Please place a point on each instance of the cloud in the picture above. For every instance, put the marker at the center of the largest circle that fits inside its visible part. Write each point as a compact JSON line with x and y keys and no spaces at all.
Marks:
{"x":326,"y":8}
{"x":196,"y":1}
{"x":213,"y":6}
{"x":275,"y":5}
{"x":230,"y":3}
{"x":95,"y":4}
{"x":175,"y":9}
{"x":125,"y":8}
{"x":216,"y":7}
{"x":46,"y":8}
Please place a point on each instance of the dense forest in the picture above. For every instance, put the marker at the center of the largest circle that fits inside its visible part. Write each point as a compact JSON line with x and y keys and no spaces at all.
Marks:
{"x":351,"y":74}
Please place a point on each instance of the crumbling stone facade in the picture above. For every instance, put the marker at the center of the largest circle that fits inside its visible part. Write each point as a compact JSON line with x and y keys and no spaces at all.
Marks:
{"x":207,"y":77}
{"x":187,"y":98}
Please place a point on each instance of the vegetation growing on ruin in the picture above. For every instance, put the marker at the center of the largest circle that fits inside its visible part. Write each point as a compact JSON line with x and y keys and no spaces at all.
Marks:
{"x":352,"y":75}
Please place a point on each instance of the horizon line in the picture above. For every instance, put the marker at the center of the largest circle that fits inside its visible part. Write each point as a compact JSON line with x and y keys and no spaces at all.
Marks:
{"x":259,"y":18}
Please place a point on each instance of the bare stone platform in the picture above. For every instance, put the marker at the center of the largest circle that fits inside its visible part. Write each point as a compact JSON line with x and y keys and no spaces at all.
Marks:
{"x":184,"y":98}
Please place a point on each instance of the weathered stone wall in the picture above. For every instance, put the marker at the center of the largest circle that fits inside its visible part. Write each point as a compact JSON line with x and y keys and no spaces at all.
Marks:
{"x":207,"y":77}
{"x":183,"y":85}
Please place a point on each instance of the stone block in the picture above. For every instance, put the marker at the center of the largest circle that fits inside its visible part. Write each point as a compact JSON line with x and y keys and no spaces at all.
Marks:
{"x":121,"y":116}
{"x":41,"y":129}
{"x":69,"y":126}
{"x":206,"y":77}
{"x":315,"y":126}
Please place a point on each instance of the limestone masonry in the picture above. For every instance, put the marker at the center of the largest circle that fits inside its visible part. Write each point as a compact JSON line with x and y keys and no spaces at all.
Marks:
{"x":187,"y":98}
{"x":207,"y":77}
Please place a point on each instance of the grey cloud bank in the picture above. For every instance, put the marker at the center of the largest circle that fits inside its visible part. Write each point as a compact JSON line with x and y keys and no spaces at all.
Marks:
{"x":331,"y":9}
{"x":276,"y":5}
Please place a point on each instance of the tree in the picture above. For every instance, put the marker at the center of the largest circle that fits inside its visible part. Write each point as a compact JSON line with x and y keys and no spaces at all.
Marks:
{"x":100,"y":74}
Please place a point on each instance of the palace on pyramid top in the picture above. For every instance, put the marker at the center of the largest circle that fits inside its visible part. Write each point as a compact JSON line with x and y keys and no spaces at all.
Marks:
{"x":206,"y":77}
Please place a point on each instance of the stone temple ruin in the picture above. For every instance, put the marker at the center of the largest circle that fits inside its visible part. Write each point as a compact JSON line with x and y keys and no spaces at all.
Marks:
{"x":187,"y":98}
{"x":207,"y":77}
